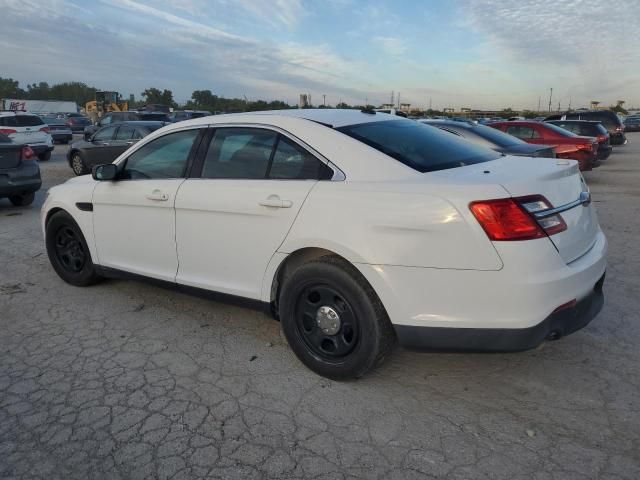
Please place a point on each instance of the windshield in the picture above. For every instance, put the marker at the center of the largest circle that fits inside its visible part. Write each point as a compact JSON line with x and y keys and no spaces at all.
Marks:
{"x":421,"y":147}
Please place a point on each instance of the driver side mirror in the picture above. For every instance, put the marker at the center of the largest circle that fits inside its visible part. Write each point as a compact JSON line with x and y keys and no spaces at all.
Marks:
{"x":106,"y":172}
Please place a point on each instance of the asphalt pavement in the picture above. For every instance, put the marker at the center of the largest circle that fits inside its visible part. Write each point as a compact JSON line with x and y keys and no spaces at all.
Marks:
{"x":125,"y":380}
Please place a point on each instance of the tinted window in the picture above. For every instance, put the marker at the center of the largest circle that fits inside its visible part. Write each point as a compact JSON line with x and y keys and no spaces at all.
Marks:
{"x":239,"y":153}
{"x":419,"y":146}
{"x":125,"y":132}
{"x":106,"y":120}
{"x":139,"y":133}
{"x":495,"y":136}
{"x":163,"y":157}
{"x":290,"y":161}
{"x":572,"y":127}
{"x":560,"y":131}
{"x":21,"y":121}
{"x":105,"y":134}
{"x":522,"y":131}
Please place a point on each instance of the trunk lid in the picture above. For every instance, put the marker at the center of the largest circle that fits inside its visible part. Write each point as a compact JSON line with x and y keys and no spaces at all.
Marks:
{"x":559,"y":181}
{"x":10,"y":156}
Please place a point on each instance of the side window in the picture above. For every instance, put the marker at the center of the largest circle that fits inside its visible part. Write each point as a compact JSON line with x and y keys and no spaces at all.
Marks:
{"x":137,"y":134}
{"x":535,"y":133}
{"x":104,"y":134}
{"x":521,"y":132}
{"x":163,"y":157}
{"x":106,"y":120}
{"x":125,"y":132}
{"x":239,"y":153}
{"x":290,"y":161}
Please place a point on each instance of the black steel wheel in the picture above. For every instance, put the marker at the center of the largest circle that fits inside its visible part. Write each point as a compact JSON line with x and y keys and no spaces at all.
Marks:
{"x":333,"y":319}
{"x":77,"y":164}
{"x":68,"y":251}
{"x":326,"y":322}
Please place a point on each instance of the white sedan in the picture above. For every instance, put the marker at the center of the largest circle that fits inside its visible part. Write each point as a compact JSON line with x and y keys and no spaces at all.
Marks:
{"x":354,"y":228}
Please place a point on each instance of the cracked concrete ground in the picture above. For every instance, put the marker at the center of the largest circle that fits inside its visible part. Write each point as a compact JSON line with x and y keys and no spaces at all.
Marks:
{"x":129,"y":381}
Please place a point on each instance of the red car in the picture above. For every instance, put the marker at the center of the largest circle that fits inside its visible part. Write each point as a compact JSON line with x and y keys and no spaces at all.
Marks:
{"x":567,"y":144}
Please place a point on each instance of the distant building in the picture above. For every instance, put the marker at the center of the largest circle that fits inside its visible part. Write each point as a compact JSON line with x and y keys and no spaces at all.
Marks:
{"x":405,"y":107}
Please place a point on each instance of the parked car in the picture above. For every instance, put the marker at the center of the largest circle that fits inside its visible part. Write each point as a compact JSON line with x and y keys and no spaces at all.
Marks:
{"x":492,"y":138}
{"x":19,"y":172}
{"x":77,"y":123}
{"x":352,"y":228}
{"x":107,"y":143}
{"x":180,"y":115}
{"x":59,"y":130}
{"x":587,"y":128}
{"x":117,"y":117}
{"x":27,"y":129}
{"x":609,"y":119}
{"x":568,"y":145}
{"x":632,"y":123}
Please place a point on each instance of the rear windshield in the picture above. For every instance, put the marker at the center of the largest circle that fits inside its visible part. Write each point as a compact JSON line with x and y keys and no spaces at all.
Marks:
{"x":561,"y":131}
{"x":496,"y":136}
{"x":154,"y":116}
{"x":421,"y":147}
{"x":21,"y":121}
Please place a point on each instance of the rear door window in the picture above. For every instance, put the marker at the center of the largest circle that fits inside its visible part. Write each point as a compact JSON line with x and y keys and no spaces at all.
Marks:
{"x":522,"y":131}
{"x":239,"y":153}
{"x":292,"y":162}
{"x":104,"y":134}
{"x":421,"y":147}
{"x":125,"y":132}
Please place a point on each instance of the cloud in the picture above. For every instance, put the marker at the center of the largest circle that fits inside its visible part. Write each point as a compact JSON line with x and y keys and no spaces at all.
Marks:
{"x":390,"y":45}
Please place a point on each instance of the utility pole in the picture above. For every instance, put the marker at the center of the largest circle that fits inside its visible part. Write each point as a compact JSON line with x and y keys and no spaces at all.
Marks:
{"x":430,"y":103}
{"x":550,"y":95}
{"x":324,"y":99}
{"x":569,"y":107}
{"x":366,"y":102}
{"x":558,"y":105}
{"x":398,"y":100}
{"x":539,"y":98}
{"x":392,"y":97}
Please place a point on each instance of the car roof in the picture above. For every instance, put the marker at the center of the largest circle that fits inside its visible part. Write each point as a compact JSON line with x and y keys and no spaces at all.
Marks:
{"x":332,"y":117}
{"x":592,"y":122}
{"x":12,"y":113}
{"x":451,"y":123}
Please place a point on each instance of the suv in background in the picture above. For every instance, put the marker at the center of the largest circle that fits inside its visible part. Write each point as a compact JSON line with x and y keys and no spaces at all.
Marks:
{"x":609,"y":119}
{"x":588,"y":129}
{"x":28,"y":129}
{"x":632,"y":123}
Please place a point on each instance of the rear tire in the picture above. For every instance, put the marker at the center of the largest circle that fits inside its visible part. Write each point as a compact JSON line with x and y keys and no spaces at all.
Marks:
{"x":68,"y":251}
{"x":77,"y":164}
{"x":44,"y":157}
{"x":333,"y":319}
{"x":22,"y":200}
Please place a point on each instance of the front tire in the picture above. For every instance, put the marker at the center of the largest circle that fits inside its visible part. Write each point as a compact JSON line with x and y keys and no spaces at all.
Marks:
{"x":333,"y":320}
{"x":68,"y":251}
{"x":77,"y":164}
{"x":45,"y":157}
{"x":22,"y":200}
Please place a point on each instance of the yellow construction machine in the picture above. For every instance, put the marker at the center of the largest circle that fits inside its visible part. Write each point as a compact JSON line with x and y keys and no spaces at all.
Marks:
{"x":105,"y":102}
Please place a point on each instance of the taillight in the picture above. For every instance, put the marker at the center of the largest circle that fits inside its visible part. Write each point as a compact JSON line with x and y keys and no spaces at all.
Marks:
{"x":584,"y":146}
{"x":28,"y":153}
{"x":509,"y":219}
{"x":602,"y":138}
{"x":45,"y":129}
{"x":619,"y":128}
{"x":7,"y":131}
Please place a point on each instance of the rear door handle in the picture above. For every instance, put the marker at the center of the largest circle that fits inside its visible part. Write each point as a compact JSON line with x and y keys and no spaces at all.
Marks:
{"x":158,"y":196}
{"x":275,"y":201}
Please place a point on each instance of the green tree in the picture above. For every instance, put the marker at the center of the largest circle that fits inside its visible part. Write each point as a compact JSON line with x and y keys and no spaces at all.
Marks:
{"x":10,"y":88}
{"x":154,"y":95}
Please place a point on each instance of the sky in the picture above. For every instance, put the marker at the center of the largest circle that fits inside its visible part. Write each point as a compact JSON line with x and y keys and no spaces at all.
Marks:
{"x":485,"y":54}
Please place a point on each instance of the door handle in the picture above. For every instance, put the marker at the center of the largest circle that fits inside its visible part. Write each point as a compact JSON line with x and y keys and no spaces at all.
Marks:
{"x":158,"y":196}
{"x":275,"y":201}
{"x":130,"y":143}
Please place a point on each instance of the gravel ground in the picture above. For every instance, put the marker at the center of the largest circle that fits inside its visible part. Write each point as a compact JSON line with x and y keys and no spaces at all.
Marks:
{"x":126,"y":380}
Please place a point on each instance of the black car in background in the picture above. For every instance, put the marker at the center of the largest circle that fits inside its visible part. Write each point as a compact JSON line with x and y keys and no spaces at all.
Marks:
{"x":19,"y":172}
{"x":117,"y":117}
{"x":609,"y":119}
{"x":77,"y":123}
{"x":632,"y":123}
{"x":105,"y":145}
{"x":588,"y":129}
{"x":59,"y":129}
{"x":492,"y":138}
{"x":180,"y":115}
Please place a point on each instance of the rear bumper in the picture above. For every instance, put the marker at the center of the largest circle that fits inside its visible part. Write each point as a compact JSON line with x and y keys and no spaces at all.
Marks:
{"x":556,"y":325}
{"x":20,"y":181}
{"x":62,"y":137}
{"x":41,"y":148}
{"x":604,"y":151}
